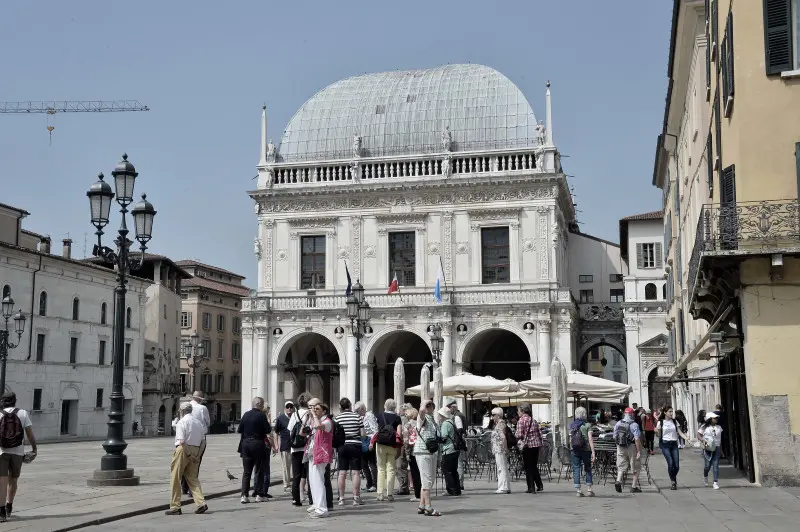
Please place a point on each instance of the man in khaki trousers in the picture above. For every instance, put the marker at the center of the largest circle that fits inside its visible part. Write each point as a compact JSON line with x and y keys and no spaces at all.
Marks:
{"x":189,"y":434}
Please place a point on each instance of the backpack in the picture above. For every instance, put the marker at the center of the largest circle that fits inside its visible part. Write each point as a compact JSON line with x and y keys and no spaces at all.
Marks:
{"x":296,"y":439}
{"x":339,"y":436}
{"x":576,"y":439}
{"x":624,"y":436}
{"x":458,"y":440}
{"x":386,"y":433}
{"x":10,"y":429}
{"x":511,"y":438}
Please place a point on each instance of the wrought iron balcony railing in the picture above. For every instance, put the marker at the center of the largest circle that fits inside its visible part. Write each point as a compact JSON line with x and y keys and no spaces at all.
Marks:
{"x":745,"y":228}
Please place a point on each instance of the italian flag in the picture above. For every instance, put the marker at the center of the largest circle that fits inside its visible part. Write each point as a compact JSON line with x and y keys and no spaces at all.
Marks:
{"x":394,"y":286}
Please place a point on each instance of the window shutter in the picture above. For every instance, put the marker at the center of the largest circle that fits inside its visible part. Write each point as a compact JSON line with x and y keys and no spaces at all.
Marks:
{"x":728,"y":190}
{"x":657,"y":247}
{"x":714,"y":30}
{"x":729,"y":64}
{"x":710,"y":165}
{"x":718,"y":135}
{"x":797,"y":157}
{"x":723,"y":61}
{"x":708,"y":53}
{"x":778,"y":35}
{"x":639,"y":256}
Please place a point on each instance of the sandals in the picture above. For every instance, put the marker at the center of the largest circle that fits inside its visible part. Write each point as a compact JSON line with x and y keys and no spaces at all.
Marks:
{"x":432,"y":513}
{"x":420,"y":510}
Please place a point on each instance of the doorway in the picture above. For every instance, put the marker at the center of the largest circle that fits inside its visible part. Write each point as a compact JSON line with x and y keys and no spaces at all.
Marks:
{"x":69,"y":417}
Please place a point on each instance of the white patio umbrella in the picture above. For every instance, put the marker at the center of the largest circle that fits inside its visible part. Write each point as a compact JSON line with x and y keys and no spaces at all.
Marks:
{"x":438,"y":385}
{"x":399,"y":381}
{"x":469,"y":384}
{"x":581,"y":384}
{"x":558,"y":401}
{"x":424,"y":388}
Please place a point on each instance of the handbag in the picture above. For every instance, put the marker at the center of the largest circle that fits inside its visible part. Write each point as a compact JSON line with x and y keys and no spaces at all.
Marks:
{"x":364,"y":444}
{"x":308,"y":453}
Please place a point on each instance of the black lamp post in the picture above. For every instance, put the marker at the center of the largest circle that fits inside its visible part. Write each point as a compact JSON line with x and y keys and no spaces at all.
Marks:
{"x":5,"y":336}
{"x":437,"y":344}
{"x":358,"y":312}
{"x":194,"y":351}
{"x":114,"y":464}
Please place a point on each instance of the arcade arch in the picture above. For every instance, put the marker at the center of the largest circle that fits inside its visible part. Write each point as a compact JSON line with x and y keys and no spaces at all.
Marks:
{"x":384,"y":349}
{"x":308,"y":362}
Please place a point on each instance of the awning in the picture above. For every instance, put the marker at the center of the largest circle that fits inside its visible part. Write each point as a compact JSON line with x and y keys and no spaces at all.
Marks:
{"x":691,"y":356}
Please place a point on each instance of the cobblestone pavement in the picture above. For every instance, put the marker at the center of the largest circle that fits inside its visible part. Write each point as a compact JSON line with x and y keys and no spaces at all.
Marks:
{"x":53,"y":496}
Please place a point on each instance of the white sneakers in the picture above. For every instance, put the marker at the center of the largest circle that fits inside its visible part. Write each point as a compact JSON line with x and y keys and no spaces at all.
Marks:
{"x":259,"y":498}
{"x":245,"y":499}
{"x":716,"y":486}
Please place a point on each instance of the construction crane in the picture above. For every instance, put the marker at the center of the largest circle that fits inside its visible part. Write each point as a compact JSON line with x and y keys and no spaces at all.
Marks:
{"x":52,"y":107}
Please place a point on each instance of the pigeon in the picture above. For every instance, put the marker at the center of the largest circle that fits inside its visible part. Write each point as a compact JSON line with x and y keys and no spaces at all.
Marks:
{"x":230,"y":477}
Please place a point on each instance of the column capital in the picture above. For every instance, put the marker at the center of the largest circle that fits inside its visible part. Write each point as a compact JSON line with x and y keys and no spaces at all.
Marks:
{"x":543,"y":324}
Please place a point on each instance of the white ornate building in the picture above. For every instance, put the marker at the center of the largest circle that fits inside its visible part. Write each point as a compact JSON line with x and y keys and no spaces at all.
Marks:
{"x":403,"y":173}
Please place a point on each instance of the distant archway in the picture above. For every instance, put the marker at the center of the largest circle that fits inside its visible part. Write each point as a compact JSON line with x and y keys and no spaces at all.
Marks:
{"x":605,"y":360}
{"x":384,"y":350}
{"x":310,"y":363}
{"x":659,"y":392}
{"x":497,"y":353}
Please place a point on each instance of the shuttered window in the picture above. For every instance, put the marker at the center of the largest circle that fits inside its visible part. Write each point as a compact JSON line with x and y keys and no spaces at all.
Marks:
{"x":726,"y":66}
{"x":708,"y":53}
{"x":778,"y":36}
{"x":718,"y":136}
{"x":728,"y":186}
{"x":649,"y":255}
{"x":710,"y":165}
{"x":714,"y":29}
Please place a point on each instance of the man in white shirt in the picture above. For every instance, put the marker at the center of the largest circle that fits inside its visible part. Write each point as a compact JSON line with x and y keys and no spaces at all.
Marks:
{"x":11,"y":457}
{"x":189,"y":434}
{"x":200,"y":413}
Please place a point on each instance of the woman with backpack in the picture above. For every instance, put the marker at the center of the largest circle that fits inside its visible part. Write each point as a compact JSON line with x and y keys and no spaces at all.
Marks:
{"x":581,"y":442}
{"x":385,"y":442}
{"x":710,"y":434}
{"x":426,"y":450}
{"x":669,"y":431}
{"x":449,"y":452}
{"x":500,"y":449}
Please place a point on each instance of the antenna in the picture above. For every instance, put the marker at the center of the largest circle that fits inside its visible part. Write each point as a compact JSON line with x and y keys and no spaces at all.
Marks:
{"x":84,"y":244}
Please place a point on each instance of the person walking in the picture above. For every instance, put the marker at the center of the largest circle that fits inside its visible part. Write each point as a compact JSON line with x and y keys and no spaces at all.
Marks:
{"x":15,"y":425}
{"x":321,"y":455}
{"x":349,"y":454}
{"x":500,"y":450}
{"x":710,"y":434}
{"x":199,"y":412}
{"x":581,"y":441}
{"x":189,"y":434}
{"x":254,"y":429}
{"x":426,"y":449}
{"x":298,"y":434}
{"x":460,"y":421}
{"x":669,"y":432}
{"x":409,"y":440}
{"x":649,"y":426}
{"x":402,"y":459}
{"x":369,"y":461}
{"x":449,"y":451}
{"x":283,"y":445}
{"x":628,"y":437}
{"x":529,"y":440}
{"x":386,"y":449}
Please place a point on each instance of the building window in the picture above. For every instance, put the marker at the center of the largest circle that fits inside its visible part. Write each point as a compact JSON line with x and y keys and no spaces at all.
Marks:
{"x":664,"y":291}
{"x":235,"y":384}
{"x":616,"y":359}
{"x":43,"y":304}
{"x":128,"y":318}
{"x":312,"y":262}
{"x":127,"y":355}
{"x":648,"y":255}
{"x":495,"y":258}
{"x":103,"y":308}
{"x":165,"y":312}
{"x":586,"y":278}
{"x":206,"y":348}
{"x":615,"y":278}
{"x":206,"y":383}
{"x":76,"y":309}
{"x":177,"y":318}
{"x":221,"y":323}
{"x":37,"y":399}
{"x":98,"y":402}
{"x":101,"y":355}
{"x":617,"y":376}
{"x":402,"y":258}
{"x":587,"y":296}
{"x":221,"y":349}
{"x":726,"y":65}
{"x":781,"y":35}
{"x":220,"y":383}
{"x":617,"y":295}
{"x":237,"y":326}
{"x":650,"y":292}
{"x":73,"y":350}
{"x":6,"y":291}
{"x":206,"y":321}
{"x":39,"y":348}
{"x":186,"y":320}
{"x":183,"y":382}
{"x":236,"y":351}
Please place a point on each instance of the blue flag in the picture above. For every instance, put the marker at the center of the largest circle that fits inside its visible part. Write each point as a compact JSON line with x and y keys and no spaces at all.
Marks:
{"x":349,"y":281}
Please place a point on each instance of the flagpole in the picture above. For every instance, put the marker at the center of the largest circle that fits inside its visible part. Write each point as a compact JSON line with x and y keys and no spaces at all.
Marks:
{"x":444,"y":277}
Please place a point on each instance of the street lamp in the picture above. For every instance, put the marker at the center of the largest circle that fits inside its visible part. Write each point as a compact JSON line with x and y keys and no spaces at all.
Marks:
{"x":437,"y":343}
{"x":194,"y":351}
{"x":358,"y":311}
{"x":114,"y":464}
{"x":5,"y":336}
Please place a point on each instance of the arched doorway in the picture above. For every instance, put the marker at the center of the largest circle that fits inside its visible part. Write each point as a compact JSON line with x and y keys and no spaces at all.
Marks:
{"x":605,"y":361}
{"x":659,"y":391}
{"x":162,"y":419}
{"x":382,"y":355}
{"x":311,"y":364}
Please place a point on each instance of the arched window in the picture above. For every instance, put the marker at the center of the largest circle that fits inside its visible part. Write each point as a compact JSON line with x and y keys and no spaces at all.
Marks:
{"x":128,"y":315}
{"x":103,"y":308}
{"x":76,"y":309}
{"x":6,"y":291}
{"x":664,"y":290}
{"x":650,"y":291}
{"x":43,"y":303}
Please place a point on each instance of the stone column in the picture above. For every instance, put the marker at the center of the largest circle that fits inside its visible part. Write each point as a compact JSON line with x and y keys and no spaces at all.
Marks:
{"x":274,"y":400}
{"x":448,"y":350}
{"x":330,"y":251}
{"x":265,"y":265}
{"x":513,"y":251}
{"x":261,"y":369}
{"x":352,"y":366}
{"x":545,"y":358}
{"x":475,"y":248}
{"x":381,"y":388}
{"x":366,"y":385}
{"x":634,"y":361}
{"x":249,"y":362}
{"x":343,"y":382}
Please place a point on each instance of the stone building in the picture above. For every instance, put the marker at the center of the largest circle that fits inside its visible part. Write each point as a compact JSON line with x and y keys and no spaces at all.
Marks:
{"x":405,"y":174}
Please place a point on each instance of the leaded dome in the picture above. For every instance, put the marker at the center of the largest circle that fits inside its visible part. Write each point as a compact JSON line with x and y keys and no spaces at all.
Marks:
{"x":404,"y":113}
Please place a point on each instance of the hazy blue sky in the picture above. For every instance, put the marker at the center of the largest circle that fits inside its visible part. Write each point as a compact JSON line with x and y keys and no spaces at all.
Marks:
{"x":205,"y":68}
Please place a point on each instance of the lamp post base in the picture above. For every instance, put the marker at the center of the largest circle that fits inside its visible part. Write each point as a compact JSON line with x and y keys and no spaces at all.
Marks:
{"x":119,"y":477}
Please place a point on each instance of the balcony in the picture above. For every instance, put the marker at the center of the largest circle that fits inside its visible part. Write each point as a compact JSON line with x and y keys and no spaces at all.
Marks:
{"x":728,"y":233}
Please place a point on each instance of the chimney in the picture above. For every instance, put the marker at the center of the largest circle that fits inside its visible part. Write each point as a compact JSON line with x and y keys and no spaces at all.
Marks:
{"x":44,"y":245}
{"x":67,"y":254}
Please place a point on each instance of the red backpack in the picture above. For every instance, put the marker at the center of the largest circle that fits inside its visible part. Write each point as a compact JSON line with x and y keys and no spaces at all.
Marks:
{"x":10,"y":429}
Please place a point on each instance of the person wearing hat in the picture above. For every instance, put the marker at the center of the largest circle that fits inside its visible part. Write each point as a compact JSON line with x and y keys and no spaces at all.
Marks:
{"x":200,"y":413}
{"x":710,"y":434}
{"x":189,"y":433}
{"x":283,"y":444}
{"x":628,"y":437}
{"x":449,"y":451}
{"x":460,"y":421}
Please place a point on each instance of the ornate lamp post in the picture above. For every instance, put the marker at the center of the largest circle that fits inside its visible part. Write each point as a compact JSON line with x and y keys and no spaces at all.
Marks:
{"x":358,"y":312}
{"x":5,"y":336}
{"x":437,"y":344}
{"x":114,"y":464}
{"x":194,"y":351}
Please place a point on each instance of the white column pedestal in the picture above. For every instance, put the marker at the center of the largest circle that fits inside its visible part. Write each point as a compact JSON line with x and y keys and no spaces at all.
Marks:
{"x":352,"y":368}
{"x":274,"y":400}
{"x":545,"y":358}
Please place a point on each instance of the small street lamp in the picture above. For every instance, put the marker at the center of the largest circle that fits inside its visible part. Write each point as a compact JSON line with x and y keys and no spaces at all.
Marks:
{"x":114,"y":464}
{"x":194,"y":351}
{"x":5,"y":336}
{"x":358,"y":311}
{"x":437,"y":343}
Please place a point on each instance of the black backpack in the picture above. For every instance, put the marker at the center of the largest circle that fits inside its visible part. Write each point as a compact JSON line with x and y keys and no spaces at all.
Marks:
{"x":511,"y":438}
{"x":458,"y":440}
{"x":576,"y":440}
{"x":10,"y":429}
{"x":386,"y":433}
{"x":339,"y":436}
{"x":296,"y":438}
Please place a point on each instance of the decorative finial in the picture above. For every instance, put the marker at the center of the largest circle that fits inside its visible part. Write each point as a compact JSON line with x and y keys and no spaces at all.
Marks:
{"x":100,"y":176}
{"x":548,"y":84}
{"x":124,"y":156}
{"x":144,"y":196}
{"x":264,"y":107}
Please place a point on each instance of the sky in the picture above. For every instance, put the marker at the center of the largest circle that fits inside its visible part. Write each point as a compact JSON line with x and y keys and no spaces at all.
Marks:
{"x":205,"y":69}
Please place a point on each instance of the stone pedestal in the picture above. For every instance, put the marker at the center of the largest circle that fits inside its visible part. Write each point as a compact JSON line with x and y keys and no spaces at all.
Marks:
{"x":121,"y":477}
